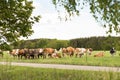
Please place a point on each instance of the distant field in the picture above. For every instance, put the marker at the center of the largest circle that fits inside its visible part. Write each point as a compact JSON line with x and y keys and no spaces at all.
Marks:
{"x":107,"y":60}
{"x":8,"y":72}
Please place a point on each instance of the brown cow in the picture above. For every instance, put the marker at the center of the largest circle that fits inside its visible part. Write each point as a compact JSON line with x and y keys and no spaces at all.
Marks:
{"x":48,"y":52}
{"x":20,"y":53}
{"x":68,"y":51}
{"x":63,"y":51}
{"x":100,"y":54}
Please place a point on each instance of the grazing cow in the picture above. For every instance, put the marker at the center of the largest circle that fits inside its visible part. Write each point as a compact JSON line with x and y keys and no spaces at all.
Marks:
{"x":31,"y":53}
{"x":56,"y":55}
{"x":112,"y":51}
{"x":68,"y":51}
{"x":39,"y":52}
{"x":100,"y":54}
{"x":23,"y":52}
{"x":81,"y":51}
{"x":48,"y":52}
{"x":14,"y":52}
{"x":63,"y":51}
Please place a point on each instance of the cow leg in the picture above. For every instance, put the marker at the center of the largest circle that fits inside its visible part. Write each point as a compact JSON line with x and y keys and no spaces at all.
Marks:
{"x":76,"y":54}
{"x":29,"y":56}
{"x":80,"y":55}
{"x":25,"y":56}
{"x":38,"y":56}
{"x":32,"y":56}
{"x":63,"y":54}
{"x":18,"y":56}
{"x":49,"y":55}
{"x":44,"y":55}
{"x":70,"y":55}
{"x":21,"y":56}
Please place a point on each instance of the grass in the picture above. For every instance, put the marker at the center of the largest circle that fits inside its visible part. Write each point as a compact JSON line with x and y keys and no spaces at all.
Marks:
{"x":8,"y":72}
{"x":107,"y":60}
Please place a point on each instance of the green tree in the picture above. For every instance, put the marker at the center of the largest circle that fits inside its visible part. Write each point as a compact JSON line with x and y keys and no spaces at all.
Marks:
{"x":107,"y":12}
{"x":16,"y":20}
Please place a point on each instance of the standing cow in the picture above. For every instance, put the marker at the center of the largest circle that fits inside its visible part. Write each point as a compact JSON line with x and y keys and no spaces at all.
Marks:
{"x":39,"y":52}
{"x":48,"y":52}
{"x":14,"y":52}
{"x":81,"y":51}
{"x":69,"y":51}
{"x":112,"y":51}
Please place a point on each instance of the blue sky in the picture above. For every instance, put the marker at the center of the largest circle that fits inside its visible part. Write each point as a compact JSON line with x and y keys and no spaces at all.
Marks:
{"x":51,"y":27}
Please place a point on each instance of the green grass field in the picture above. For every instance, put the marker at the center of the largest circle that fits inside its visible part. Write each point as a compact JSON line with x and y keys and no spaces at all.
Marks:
{"x":8,"y":72}
{"x":107,"y":60}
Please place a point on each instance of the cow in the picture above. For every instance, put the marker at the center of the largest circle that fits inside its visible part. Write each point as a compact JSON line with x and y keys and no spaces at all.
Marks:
{"x":68,"y":51}
{"x":21,"y":53}
{"x":32,"y":53}
{"x":56,"y":55}
{"x":81,"y":51}
{"x":48,"y":52}
{"x":63,"y":51}
{"x":112,"y":51}
{"x":14,"y":52}
{"x":29,"y":53}
{"x":99,"y":54}
{"x":39,"y":52}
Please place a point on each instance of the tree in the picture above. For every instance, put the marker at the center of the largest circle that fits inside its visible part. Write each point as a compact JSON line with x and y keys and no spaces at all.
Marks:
{"x":16,"y":20}
{"x":107,"y":12}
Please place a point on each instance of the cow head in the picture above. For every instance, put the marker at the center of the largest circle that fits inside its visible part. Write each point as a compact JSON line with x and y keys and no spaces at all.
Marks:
{"x":90,"y":51}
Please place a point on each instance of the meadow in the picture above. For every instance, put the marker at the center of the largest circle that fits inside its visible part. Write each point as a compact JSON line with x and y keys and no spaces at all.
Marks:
{"x":106,"y":60}
{"x":8,"y":72}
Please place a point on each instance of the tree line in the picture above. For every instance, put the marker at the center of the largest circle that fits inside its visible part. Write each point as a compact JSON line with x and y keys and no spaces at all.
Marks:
{"x":40,"y":43}
{"x":97,"y":43}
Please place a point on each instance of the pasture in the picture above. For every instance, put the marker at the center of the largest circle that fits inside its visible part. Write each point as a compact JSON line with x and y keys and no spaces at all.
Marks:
{"x":8,"y":72}
{"x":106,"y":60}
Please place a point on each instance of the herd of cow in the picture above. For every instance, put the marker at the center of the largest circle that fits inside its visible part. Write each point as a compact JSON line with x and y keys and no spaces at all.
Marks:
{"x":54,"y":53}
{"x":50,"y":52}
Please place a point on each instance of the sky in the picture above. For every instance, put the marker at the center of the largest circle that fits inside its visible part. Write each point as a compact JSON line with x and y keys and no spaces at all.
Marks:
{"x":50,"y":26}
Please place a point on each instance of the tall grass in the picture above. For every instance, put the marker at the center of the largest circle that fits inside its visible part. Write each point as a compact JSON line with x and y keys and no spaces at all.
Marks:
{"x":28,"y":73}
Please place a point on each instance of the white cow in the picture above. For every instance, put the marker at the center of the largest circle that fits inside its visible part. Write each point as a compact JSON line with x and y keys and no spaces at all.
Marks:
{"x":81,"y":51}
{"x":14,"y":52}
